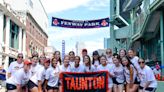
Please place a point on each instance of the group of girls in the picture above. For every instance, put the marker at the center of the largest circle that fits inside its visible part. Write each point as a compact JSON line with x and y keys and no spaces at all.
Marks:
{"x":130,"y":73}
{"x":126,"y":72}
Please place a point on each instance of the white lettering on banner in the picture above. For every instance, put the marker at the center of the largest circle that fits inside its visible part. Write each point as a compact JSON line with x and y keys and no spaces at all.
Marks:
{"x":79,"y":24}
{"x":92,"y":24}
{"x":71,"y":23}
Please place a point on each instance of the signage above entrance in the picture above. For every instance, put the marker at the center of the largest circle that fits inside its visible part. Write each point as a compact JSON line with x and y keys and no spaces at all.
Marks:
{"x":80,"y":23}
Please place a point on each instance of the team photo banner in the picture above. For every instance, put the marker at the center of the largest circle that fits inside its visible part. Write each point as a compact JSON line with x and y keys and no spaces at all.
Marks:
{"x":79,"y":23}
{"x":84,"y":82}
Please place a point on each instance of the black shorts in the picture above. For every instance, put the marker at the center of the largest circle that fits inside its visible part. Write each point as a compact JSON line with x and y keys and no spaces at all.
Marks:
{"x":115,"y":81}
{"x":136,"y":81}
{"x":31,"y":84}
{"x":53,"y":88}
{"x":10,"y":86}
{"x":59,"y":83}
{"x":148,"y":89}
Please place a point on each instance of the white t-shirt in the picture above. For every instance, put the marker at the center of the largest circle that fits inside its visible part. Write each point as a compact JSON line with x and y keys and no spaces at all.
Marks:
{"x":20,"y":77}
{"x":44,"y":73}
{"x":92,"y":68}
{"x":108,"y":68}
{"x":119,"y":73}
{"x":96,"y":63}
{"x":72,"y":63}
{"x":81,"y":61}
{"x":109,"y":60}
{"x":127,"y":74}
{"x":38,"y":75}
{"x":14,"y":66}
{"x":78,"y":69}
{"x":65,"y":69}
{"x":147,"y":75}
{"x":134,"y":60}
{"x":52,"y":75}
{"x":34,"y":69}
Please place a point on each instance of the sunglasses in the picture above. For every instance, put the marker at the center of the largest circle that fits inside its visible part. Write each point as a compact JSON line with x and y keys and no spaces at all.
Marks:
{"x":55,"y":63}
{"x":20,"y":57}
{"x":108,"y":52}
{"x":141,"y":62}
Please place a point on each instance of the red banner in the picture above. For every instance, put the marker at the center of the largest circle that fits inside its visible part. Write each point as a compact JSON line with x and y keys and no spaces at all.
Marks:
{"x":84,"y":82}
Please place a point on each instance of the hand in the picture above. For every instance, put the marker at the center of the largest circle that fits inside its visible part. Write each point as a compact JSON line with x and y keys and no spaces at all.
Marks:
{"x":130,"y":85}
{"x":45,"y":90}
{"x":110,"y":75}
{"x":143,"y":90}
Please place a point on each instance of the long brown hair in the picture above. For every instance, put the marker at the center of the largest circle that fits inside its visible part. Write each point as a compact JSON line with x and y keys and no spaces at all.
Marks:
{"x":60,"y":61}
{"x":89,"y":61}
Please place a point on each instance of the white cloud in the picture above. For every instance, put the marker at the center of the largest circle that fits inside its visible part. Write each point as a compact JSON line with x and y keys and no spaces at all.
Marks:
{"x":61,"y":5}
{"x":70,"y":33}
{"x":95,"y":44}
{"x":74,"y":35}
{"x":95,"y":5}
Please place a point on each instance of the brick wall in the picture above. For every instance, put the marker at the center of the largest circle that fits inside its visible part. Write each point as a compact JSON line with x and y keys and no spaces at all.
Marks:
{"x":35,"y":37}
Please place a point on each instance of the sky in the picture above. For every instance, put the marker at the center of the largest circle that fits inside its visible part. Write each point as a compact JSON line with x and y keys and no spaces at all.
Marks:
{"x":77,"y":10}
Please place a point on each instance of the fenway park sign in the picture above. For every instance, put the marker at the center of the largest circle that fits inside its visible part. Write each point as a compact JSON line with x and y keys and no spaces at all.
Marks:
{"x":79,"y":23}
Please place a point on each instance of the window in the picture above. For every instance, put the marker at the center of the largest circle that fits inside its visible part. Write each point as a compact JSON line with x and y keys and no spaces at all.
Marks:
{"x":4,"y":27}
{"x":14,"y":30}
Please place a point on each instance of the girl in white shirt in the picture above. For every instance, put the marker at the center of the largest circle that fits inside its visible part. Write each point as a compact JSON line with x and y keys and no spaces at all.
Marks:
{"x":20,"y":79}
{"x":52,"y":77}
{"x":95,"y":60}
{"x":46,"y":67}
{"x":42,"y":58}
{"x":72,"y":58}
{"x":134,"y":59}
{"x":122,"y":53}
{"x":15,"y":66}
{"x":77,"y":67}
{"x":130,"y":75}
{"x":104,"y":66}
{"x":57,"y":56}
{"x":118,"y":78}
{"x":35,"y":82}
{"x":148,"y":81}
{"x":87,"y":64}
{"x":109,"y":56}
{"x":65,"y":67}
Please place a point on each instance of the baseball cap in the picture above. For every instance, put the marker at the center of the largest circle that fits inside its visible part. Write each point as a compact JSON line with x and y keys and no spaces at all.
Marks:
{"x":26,"y":62}
{"x":95,"y":53}
{"x":47,"y":60}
